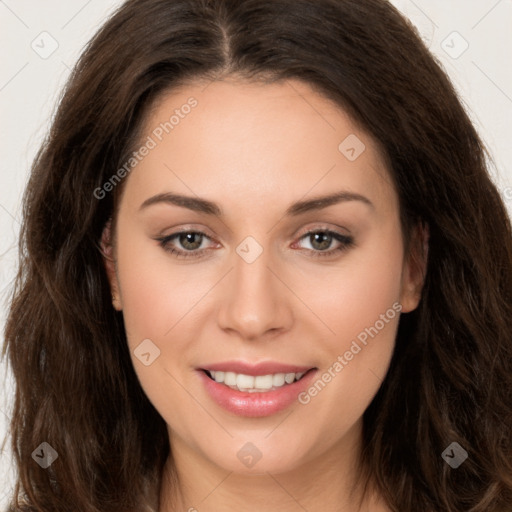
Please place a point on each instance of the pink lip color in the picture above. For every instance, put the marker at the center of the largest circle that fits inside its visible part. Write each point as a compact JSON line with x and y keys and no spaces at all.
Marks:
{"x":256,"y":404}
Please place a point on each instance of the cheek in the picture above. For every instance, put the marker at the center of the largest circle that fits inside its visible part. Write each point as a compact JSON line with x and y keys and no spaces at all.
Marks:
{"x":156,"y":293}
{"x":360,"y":305}
{"x":367,"y":283}
{"x":156,"y":296}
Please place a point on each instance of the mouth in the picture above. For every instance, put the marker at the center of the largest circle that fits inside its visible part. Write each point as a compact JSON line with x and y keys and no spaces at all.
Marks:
{"x":255,"y":383}
{"x":255,"y":390}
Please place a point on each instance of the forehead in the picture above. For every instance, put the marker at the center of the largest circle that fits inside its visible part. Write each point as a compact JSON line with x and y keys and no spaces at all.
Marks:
{"x":276,"y":141}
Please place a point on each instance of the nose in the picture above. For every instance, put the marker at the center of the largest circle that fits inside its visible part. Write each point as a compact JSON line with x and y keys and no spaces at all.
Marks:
{"x":255,"y":301}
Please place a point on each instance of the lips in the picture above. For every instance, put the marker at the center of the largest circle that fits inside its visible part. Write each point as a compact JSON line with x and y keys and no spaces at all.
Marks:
{"x":251,"y":403}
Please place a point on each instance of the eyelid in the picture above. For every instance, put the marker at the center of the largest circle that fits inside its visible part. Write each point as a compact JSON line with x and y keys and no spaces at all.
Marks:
{"x":322,"y":227}
{"x":188,"y":227}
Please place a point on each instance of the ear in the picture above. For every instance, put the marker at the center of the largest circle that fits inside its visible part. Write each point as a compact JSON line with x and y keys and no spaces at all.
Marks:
{"x":107,"y":250}
{"x":415,"y":267}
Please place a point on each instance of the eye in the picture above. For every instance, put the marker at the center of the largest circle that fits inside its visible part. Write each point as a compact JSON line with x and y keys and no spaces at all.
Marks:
{"x":322,"y":239}
{"x":192,"y":241}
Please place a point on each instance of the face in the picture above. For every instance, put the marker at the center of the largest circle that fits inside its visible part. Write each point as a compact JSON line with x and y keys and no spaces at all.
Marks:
{"x":249,"y":277}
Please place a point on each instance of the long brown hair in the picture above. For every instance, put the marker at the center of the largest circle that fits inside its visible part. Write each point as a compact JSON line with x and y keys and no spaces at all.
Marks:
{"x":451,"y":375}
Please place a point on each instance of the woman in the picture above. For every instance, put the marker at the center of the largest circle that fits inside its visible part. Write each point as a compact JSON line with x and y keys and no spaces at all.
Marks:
{"x":175,"y":344}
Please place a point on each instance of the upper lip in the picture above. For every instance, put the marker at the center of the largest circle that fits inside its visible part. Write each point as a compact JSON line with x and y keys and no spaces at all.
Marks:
{"x":263,"y":368}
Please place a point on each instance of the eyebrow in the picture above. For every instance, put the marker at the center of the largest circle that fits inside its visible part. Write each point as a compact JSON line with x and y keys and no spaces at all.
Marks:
{"x":210,"y":208}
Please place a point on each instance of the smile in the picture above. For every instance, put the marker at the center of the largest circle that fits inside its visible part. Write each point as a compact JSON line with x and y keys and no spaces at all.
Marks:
{"x":254,"y":384}
{"x":254,"y":390}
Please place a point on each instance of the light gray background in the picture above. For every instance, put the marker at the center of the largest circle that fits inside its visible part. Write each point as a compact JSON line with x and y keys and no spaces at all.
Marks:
{"x":31,"y":81}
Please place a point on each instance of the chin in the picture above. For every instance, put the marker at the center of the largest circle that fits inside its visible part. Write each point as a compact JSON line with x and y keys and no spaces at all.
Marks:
{"x":257,"y":458}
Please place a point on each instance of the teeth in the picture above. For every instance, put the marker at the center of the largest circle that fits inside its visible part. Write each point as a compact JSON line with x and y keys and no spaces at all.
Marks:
{"x":229,"y":378}
{"x":241,"y":382}
{"x":289,"y":378}
{"x":278,"y":380}
{"x":244,"y":381}
{"x":263,"y":382}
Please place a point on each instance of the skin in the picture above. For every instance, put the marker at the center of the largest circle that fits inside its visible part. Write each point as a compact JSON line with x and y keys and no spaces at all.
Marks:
{"x":255,"y":149}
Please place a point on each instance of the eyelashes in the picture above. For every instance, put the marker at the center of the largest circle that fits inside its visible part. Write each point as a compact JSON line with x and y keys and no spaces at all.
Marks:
{"x":166,"y":244}
{"x":323,"y":237}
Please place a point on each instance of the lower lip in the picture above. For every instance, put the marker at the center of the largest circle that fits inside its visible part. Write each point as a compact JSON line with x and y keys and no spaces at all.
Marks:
{"x":256,"y":404}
